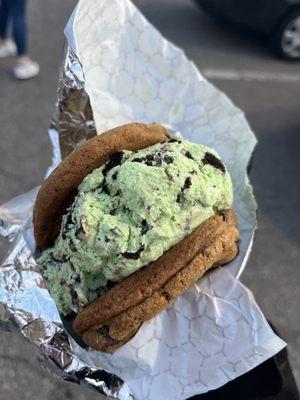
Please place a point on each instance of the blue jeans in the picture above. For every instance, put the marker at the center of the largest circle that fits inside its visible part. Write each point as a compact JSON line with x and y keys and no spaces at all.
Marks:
{"x":14,"y":11}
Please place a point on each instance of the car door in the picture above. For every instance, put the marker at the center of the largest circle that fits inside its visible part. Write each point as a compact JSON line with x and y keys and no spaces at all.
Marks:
{"x":259,"y":15}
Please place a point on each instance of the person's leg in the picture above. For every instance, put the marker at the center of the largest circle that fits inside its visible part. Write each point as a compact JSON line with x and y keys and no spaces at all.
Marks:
{"x":17,"y":10}
{"x":25,"y":68}
{"x":7,"y":47}
{"x":3,"y":19}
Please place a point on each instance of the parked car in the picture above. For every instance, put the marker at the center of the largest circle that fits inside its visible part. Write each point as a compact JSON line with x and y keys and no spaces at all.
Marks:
{"x":279,"y":20}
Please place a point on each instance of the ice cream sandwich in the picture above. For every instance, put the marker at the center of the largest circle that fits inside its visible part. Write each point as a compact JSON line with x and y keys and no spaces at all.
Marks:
{"x":127,"y":223}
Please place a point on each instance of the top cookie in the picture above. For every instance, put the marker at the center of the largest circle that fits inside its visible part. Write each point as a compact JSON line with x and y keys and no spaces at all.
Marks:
{"x":59,"y":189}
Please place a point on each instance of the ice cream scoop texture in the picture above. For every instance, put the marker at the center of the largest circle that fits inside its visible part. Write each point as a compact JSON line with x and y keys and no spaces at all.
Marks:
{"x":128,"y":212}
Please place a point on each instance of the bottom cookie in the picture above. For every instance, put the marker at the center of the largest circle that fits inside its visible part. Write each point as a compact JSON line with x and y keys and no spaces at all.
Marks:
{"x":213,"y":243}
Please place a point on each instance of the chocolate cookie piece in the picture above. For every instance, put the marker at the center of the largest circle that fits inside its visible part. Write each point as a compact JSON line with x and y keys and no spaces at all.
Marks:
{"x":59,"y":189}
{"x":219,"y":249}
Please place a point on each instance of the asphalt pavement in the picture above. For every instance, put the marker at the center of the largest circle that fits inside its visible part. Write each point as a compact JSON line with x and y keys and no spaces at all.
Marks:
{"x":240,"y":64}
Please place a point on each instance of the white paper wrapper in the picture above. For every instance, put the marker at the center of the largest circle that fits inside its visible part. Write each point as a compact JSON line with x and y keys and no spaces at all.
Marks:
{"x":214,"y":332}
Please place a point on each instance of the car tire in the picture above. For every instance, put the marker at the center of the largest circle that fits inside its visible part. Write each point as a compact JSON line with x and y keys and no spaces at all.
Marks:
{"x":285,"y":39}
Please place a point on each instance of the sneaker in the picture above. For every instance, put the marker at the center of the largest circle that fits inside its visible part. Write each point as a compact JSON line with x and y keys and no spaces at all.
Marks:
{"x":26,"y":69}
{"x":7,"y":49}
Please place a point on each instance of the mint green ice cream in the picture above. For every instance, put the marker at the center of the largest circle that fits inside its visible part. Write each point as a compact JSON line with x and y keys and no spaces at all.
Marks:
{"x":128,"y":213}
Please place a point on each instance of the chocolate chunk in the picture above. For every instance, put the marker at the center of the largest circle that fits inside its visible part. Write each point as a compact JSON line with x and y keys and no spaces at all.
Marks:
{"x":187,"y":183}
{"x":168,"y":159}
{"x":148,"y":160}
{"x":137,"y":159}
{"x":67,"y":224}
{"x":105,"y":188}
{"x":174,"y":141}
{"x":54,"y":259}
{"x":149,"y":157}
{"x":213,"y":161}
{"x":72,"y":247}
{"x":134,"y":256}
{"x":78,"y":279}
{"x":80,"y":233}
{"x":145,"y":227}
{"x":110,"y":284}
{"x":71,"y":266}
{"x":73,"y":293}
{"x":106,"y":239}
{"x":188,"y":155}
{"x":114,"y":175}
{"x":115,"y":159}
{"x":69,"y":219}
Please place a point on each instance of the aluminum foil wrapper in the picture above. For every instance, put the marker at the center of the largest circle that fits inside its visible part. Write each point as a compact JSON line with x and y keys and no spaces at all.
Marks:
{"x":118,"y":68}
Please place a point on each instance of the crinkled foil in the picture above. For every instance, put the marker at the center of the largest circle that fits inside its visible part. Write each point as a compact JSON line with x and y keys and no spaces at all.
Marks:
{"x":20,"y":280}
{"x":73,"y":117}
